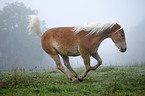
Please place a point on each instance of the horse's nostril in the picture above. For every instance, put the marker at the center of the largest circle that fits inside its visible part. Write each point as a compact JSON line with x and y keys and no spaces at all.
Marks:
{"x":123,"y":49}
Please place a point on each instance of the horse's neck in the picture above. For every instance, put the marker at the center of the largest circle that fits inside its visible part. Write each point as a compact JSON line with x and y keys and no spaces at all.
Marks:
{"x":102,"y":37}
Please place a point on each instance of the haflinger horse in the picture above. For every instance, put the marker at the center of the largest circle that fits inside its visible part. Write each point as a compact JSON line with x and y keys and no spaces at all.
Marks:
{"x":82,"y":40}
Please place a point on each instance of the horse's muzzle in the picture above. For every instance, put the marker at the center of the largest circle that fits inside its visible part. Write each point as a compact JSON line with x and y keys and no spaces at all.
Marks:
{"x":123,"y":49}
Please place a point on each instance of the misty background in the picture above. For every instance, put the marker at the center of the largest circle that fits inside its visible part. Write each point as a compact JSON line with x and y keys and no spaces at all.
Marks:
{"x":20,"y":50}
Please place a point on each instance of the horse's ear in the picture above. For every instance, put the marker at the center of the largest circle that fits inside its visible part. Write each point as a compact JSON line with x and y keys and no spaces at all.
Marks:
{"x":118,"y":26}
{"x":115,"y":27}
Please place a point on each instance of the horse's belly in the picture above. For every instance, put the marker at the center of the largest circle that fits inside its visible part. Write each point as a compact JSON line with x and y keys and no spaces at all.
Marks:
{"x":68,"y":51}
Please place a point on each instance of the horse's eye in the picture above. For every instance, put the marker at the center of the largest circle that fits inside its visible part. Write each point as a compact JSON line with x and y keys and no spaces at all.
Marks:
{"x":122,"y":35}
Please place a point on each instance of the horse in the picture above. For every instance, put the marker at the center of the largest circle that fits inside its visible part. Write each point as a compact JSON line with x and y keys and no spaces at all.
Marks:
{"x":81,"y":40}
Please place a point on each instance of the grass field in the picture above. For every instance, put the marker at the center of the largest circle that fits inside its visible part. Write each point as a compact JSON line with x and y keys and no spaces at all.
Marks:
{"x":105,"y":81}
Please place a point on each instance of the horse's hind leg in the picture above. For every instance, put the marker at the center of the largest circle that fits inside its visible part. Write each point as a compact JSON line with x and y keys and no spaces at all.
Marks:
{"x":59,"y":66}
{"x":67,"y":64}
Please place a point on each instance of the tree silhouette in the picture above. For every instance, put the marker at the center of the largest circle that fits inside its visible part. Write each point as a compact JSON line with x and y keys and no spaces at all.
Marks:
{"x":17,"y":48}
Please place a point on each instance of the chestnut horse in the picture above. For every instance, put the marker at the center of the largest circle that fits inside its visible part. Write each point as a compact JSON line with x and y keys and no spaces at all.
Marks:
{"x":82,"y":40}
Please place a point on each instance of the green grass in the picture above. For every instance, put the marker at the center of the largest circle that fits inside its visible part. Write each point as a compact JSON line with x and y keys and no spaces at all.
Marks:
{"x":106,"y":81}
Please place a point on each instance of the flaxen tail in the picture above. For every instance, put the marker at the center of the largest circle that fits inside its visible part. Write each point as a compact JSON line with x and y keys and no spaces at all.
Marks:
{"x":34,"y":25}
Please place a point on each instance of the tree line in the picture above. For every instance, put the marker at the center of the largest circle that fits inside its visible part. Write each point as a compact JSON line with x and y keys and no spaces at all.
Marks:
{"x":17,"y":48}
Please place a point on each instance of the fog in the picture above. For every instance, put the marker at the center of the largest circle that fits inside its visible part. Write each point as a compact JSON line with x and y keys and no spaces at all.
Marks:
{"x":20,"y":50}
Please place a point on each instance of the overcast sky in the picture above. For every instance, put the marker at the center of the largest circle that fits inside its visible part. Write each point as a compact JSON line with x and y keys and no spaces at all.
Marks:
{"x":72,"y":12}
{"x":56,"y":13}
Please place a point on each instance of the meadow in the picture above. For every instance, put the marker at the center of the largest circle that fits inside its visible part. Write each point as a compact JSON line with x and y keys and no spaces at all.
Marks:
{"x":105,"y":81}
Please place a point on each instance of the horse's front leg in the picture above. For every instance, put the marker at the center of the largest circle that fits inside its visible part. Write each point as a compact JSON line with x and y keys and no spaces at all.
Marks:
{"x":86,"y":60}
{"x":97,"y":57}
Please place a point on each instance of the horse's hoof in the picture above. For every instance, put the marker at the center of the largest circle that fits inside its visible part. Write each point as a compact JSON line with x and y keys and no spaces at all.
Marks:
{"x":80,"y":79}
{"x":76,"y":81}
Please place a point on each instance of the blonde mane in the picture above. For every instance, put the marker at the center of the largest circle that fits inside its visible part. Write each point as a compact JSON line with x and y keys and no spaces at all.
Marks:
{"x":97,"y":28}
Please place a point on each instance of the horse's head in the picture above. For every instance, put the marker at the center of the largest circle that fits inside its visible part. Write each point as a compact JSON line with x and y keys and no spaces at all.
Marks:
{"x":118,"y":37}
